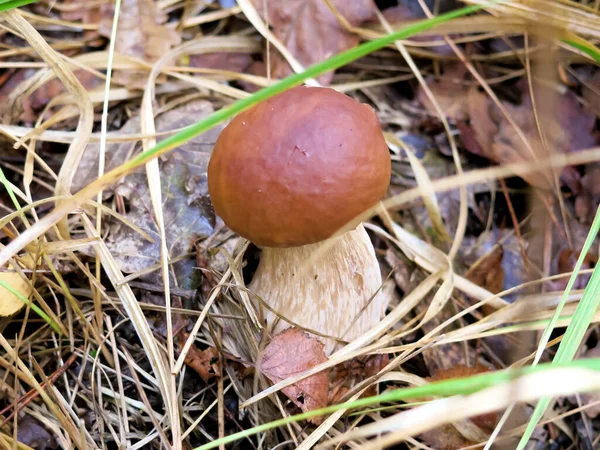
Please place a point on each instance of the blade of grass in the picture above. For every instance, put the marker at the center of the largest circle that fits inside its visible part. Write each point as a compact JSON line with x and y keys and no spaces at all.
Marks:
{"x":10,"y":4}
{"x":577,"y":328}
{"x":583,"y":45}
{"x":223,"y":114}
{"x":33,"y":306}
{"x":446,"y":388}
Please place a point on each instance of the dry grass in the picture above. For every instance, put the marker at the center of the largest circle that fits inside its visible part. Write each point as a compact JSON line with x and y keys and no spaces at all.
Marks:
{"x":127,"y":383}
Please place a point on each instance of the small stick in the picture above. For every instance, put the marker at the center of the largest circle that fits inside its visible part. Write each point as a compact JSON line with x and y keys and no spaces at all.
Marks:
{"x":33,"y":393}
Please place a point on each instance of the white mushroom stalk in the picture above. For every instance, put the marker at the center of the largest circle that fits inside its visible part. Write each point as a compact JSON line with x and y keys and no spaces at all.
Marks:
{"x":332,"y":288}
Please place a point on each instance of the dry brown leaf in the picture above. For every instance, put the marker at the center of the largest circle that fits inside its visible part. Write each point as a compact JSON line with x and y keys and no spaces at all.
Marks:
{"x":449,"y":93}
{"x":485,"y":130}
{"x":81,"y":11}
{"x":289,"y":353}
{"x":591,"y":92}
{"x":351,"y":372}
{"x":232,"y":61}
{"x":487,"y":271}
{"x":31,"y":433}
{"x":204,"y":362}
{"x":188,"y":213}
{"x":311,"y":32}
{"x":490,"y":135}
{"x":141,"y":34}
{"x":41,"y":96}
{"x":9,"y":302}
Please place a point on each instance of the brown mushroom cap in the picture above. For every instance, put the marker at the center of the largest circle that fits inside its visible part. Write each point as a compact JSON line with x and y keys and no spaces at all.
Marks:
{"x":296,"y":168}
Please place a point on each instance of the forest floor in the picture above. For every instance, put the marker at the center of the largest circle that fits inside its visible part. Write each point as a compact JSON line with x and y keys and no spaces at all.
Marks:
{"x":138,"y":331}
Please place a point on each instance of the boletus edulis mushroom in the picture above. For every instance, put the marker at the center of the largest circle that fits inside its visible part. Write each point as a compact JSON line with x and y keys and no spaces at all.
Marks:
{"x":290,"y":175}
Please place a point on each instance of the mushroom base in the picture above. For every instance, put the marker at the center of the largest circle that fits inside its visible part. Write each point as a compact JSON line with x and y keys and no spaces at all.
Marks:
{"x":322,"y":287}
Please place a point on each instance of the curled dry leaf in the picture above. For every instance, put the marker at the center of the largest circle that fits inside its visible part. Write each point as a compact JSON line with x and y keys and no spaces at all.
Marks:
{"x":204,"y":362}
{"x":289,"y":353}
{"x":232,"y":61}
{"x":141,"y":34}
{"x":9,"y":302}
{"x":591,"y":92}
{"x":311,"y":32}
{"x":27,"y":107}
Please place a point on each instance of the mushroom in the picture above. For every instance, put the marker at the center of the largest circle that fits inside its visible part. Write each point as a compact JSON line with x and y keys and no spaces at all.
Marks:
{"x":292,"y":174}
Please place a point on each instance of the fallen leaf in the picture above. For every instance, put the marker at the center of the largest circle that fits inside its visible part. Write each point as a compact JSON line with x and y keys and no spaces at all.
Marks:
{"x":445,"y":437}
{"x":141,"y":34}
{"x":311,"y":32}
{"x":570,"y":130}
{"x":485,"y":130}
{"x":409,"y":12}
{"x":289,"y":353}
{"x":487,"y":271}
{"x":187,"y":210}
{"x":9,"y":302}
{"x":204,"y":362}
{"x":27,"y":108}
{"x":566,"y":261}
{"x":449,"y":93}
{"x":231,"y":61}
{"x":82,"y":11}
{"x":30,"y":432}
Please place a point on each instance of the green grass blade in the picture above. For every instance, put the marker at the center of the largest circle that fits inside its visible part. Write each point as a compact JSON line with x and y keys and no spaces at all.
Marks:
{"x":576,"y":330}
{"x":17,"y":205}
{"x":446,"y":388}
{"x":5,"y":5}
{"x":586,"y":47}
{"x":33,"y":306}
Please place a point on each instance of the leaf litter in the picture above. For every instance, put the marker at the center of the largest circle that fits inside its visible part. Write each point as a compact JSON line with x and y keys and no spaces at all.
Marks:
{"x":491,"y":258}
{"x":311,"y":31}
{"x":288,"y":354}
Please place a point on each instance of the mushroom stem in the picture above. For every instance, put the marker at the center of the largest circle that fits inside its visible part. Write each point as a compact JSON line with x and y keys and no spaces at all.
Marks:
{"x":323,"y":287}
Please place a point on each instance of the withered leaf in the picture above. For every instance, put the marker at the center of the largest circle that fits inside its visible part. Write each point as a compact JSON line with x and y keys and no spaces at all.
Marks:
{"x":449,"y":93}
{"x":186,"y":207}
{"x":311,"y":32}
{"x":588,"y":199}
{"x":486,"y":131}
{"x":204,"y":362}
{"x":80,"y":10}
{"x":289,"y":353}
{"x":487,"y":271}
{"x":30,"y":432}
{"x":141,"y":34}
{"x":232,"y":61}
{"x":9,"y":302}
